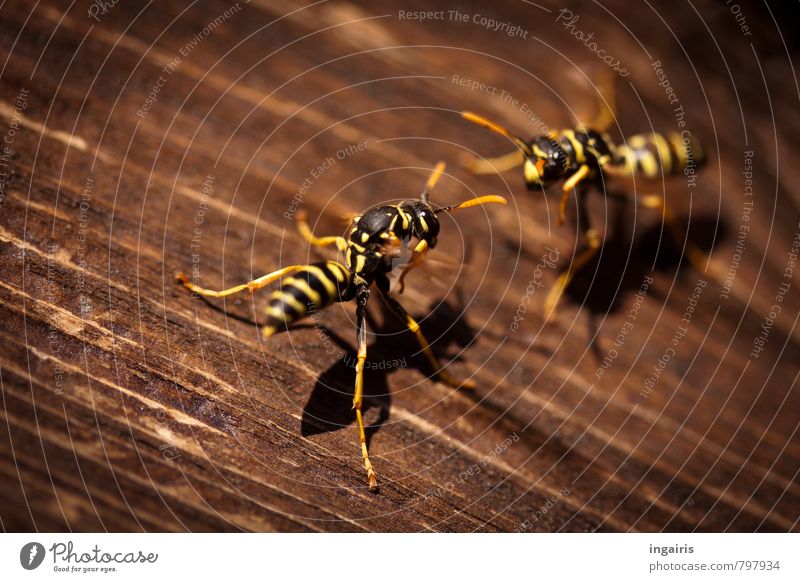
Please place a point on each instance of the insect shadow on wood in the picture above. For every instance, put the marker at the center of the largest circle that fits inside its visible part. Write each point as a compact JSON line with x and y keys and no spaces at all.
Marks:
{"x":330,"y":405}
{"x":626,"y":257}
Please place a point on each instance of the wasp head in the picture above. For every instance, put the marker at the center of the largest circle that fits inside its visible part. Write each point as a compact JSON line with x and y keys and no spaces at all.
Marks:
{"x":547,"y":164}
{"x":424,"y":223}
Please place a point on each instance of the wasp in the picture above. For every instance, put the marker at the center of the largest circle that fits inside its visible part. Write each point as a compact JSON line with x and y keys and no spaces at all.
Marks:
{"x":380,"y":243}
{"x":587,"y":156}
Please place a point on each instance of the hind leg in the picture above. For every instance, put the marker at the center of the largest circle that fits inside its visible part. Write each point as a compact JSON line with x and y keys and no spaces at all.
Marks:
{"x":251,"y":286}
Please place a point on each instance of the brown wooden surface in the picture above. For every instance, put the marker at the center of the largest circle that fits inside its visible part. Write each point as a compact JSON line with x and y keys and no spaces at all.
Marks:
{"x":129,"y":405}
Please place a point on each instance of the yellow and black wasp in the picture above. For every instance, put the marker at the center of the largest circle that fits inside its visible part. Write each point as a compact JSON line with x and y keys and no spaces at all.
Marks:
{"x":583,"y":157}
{"x":373,"y":248}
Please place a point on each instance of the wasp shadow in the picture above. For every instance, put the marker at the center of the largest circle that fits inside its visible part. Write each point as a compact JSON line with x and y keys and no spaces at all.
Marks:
{"x":330,"y":406}
{"x":625,"y":259}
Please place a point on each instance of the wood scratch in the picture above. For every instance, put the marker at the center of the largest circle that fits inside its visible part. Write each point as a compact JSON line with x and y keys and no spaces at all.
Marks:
{"x":67,"y":139}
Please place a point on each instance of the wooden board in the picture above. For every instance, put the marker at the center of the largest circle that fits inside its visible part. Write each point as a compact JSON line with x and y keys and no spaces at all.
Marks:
{"x":141,"y":142}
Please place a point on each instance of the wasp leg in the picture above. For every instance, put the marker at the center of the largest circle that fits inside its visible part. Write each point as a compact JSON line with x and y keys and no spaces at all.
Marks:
{"x":412,"y":324}
{"x":593,"y":243}
{"x":697,"y":257}
{"x":417,"y":258}
{"x":251,"y":286}
{"x":305,"y":231}
{"x":362,"y":296}
{"x":567,"y":189}
{"x":494,"y":165}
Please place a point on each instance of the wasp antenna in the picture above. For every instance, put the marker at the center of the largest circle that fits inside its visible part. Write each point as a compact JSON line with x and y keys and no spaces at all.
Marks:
{"x":491,"y":125}
{"x":488,"y":199}
{"x":437,"y":172}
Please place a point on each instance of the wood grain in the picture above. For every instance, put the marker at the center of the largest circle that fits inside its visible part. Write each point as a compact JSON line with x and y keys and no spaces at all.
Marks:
{"x":129,"y":405}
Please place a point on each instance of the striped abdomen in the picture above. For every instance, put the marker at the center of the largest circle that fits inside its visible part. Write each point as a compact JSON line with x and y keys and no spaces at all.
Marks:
{"x":308,"y":289}
{"x":653,"y":154}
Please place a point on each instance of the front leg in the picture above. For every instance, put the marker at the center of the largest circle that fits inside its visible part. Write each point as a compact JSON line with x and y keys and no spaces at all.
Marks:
{"x":567,"y":189}
{"x":417,"y":258}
